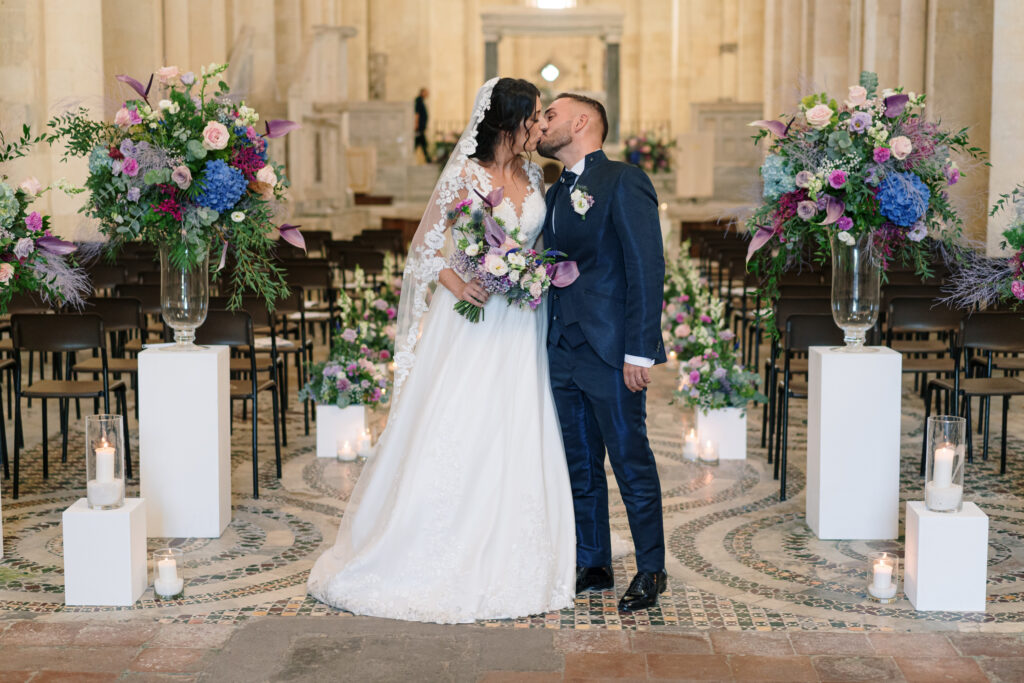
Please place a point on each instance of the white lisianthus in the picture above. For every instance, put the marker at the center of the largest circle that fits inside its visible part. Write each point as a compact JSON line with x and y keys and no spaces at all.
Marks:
{"x":845,"y":238}
{"x":517,"y":259}
{"x":513,"y":275}
{"x":237,"y":216}
{"x":473,"y":249}
{"x":164,"y":104}
{"x":495,"y":265}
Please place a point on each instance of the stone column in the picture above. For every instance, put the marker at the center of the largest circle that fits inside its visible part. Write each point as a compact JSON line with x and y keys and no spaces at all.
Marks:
{"x":1006,"y":146}
{"x":831,"y":46}
{"x":490,"y":56}
{"x":611,"y":84}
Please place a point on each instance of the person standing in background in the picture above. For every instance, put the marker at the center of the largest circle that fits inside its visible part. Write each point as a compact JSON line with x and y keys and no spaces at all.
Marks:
{"x":421,"y":124}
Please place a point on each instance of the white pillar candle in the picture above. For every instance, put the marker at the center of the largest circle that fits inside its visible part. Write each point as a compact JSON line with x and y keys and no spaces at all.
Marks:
{"x":882,"y":575}
{"x":709,"y":452}
{"x":167,"y":569}
{"x":345,"y":451}
{"x":105,"y":463}
{"x":942,"y":466}
{"x":690,"y":445}
{"x":364,"y":446}
{"x":167,"y":583}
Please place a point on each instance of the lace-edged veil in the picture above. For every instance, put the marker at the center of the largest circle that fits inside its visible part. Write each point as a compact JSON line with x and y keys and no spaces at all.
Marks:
{"x":426,"y":256}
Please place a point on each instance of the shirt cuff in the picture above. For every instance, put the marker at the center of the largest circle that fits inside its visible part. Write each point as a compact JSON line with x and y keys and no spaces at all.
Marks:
{"x":642,"y":362}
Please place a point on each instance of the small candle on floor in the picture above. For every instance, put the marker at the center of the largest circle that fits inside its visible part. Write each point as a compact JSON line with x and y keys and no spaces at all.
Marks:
{"x":882,"y":586}
{"x":345,"y":451}
{"x":690,"y":445}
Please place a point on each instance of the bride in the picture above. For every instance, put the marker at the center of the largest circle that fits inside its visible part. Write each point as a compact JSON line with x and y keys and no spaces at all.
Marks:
{"x":465,"y":512}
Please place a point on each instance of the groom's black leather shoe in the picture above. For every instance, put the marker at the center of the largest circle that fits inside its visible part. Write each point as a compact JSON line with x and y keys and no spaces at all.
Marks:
{"x":643,"y":591}
{"x":594,"y":579}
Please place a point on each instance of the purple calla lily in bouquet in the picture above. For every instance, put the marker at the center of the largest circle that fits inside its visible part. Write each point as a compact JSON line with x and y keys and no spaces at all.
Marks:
{"x":186,"y":167}
{"x":871,"y":164}
{"x":484,"y":250}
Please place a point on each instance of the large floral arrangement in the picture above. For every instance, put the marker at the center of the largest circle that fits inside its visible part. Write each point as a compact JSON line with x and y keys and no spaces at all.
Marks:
{"x":711,"y":375}
{"x":32,"y":259}
{"x":190,"y":171}
{"x":872,"y":164}
{"x":650,"y":153}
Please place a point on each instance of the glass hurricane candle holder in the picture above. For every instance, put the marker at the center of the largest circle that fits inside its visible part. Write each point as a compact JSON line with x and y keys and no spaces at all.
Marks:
{"x":690,"y":445}
{"x":168,"y":573}
{"x":709,"y":452}
{"x":346,"y":451}
{"x":104,"y":461}
{"x":944,"y":463}
{"x":883,"y":576}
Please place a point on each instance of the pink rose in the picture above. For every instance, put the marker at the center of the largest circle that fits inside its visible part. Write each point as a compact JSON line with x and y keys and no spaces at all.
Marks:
{"x":536,"y":290}
{"x":166,"y":74}
{"x":130,"y":167}
{"x":6,"y":272}
{"x":1017,"y":287}
{"x":901,"y":146}
{"x":123,"y":117}
{"x":856,"y":96}
{"x":31,"y":186}
{"x":215,"y":135}
{"x":818,"y":116}
{"x":34,"y":222}
{"x":182,"y":177}
{"x":267,"y":175}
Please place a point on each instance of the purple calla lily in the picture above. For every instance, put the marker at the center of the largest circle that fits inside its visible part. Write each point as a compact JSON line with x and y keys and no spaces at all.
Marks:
{"x":136,"y":86}
{"x":833,"y":210}
{"x":223,"y":257}
{"x":564,"y":273}
{"x":778,"y":128}
{"x":277,"y":128}
{"x":759,"y":239}
{"x":493,"y":233}
{"x":291,"y":235}
{"x":895,"y":104}
{"x":55,"y":246}
{"x":493,"y":198}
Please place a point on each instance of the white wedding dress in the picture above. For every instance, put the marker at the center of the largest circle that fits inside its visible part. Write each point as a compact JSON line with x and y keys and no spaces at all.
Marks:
{"x":465,"y":512}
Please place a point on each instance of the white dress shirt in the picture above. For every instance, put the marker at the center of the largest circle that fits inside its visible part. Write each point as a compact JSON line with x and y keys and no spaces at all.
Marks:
{"x":578,"y":170}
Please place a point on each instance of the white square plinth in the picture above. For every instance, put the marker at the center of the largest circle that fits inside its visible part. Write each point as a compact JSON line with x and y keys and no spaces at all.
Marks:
{"x":853,"y":443}
{"x":185,"y":442}
{"x":104,"y":554}
{"x":335,"y":426}
{"x":947,"y":558}
{"x":726,"y":427}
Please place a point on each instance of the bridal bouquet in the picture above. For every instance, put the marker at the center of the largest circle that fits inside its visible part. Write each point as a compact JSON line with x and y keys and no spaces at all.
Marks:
{"x":484,"y":250}
{"x":871,"y":165}
{"x":32,"y":260}
{"x":190,"y":171}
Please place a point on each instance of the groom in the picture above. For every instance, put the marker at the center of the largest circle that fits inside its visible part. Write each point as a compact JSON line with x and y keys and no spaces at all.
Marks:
{"x":605,"y":334}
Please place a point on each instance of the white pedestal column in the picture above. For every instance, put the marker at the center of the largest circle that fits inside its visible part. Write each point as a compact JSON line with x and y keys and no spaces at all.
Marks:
{"x":947,"y":558}
{"x":853,"y":443}
{"x":184,"y":441}
{"x":336,"y":425}
{"x":727,"y":427}
{"x":104,"y":554}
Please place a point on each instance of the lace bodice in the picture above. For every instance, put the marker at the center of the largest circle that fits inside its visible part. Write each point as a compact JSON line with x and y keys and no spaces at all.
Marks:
{"x":530,"y":218}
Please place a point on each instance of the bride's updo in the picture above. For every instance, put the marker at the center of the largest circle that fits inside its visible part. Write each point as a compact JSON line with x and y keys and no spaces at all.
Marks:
{"x":513,"y":101}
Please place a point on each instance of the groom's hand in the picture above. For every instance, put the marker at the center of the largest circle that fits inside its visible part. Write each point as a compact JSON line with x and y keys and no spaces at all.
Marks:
{"x":636,"y":377}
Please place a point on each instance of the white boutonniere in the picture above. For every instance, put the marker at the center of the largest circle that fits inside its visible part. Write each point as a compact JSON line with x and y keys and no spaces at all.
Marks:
{"x":581,"y":201}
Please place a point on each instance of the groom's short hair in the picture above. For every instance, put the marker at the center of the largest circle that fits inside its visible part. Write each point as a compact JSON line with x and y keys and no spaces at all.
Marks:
{"x":593,"y":104}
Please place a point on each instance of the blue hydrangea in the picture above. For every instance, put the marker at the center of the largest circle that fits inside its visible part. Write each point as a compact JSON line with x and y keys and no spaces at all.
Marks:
{"x":99,"y":159}
{"x":9,"y":206}
{"x":222,"y":184}
{"x":777,"y":178}
{"x":903,"y":198}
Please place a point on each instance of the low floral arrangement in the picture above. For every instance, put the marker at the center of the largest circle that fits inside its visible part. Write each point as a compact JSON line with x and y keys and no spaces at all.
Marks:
{"x":189,"y":171}
{"x":871,"y":165}
{"x":371,"y":320}
{"x":32,"y":259}
{"x":353,"y":376}
{"x":710,"y":373}
{"x":498,"y":260}
{"x":652,"y":154}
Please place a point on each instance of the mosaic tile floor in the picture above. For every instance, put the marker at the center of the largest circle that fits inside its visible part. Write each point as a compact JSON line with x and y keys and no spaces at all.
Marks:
{"x":738,"y":558}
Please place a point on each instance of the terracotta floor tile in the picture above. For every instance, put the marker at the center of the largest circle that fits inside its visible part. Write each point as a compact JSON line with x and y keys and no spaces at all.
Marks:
{"x":156,"y":678}
{"x":912,"y":644}
{"x":988,"y":644}
{"x":848,"y":669}
{"x":681,"y":643}
{"x":168,"y":659}
{"x":784,"y":669}
{"x":39,"y":633}
{"x":73,"y":677}
{"x":688,"y":667}
{"x":824,"y":643}
{"x":107,"y":635}
{"x":1003,"y":669}
{"x":591,"y":641}
{"x":88,"y":659}
{"x":751,"y":643}
{"x":520,"y":677}
{"x":605,"y":665}
{"x":938,"y":669}
{"x":192,"y":635}
{"x":15,"y":676}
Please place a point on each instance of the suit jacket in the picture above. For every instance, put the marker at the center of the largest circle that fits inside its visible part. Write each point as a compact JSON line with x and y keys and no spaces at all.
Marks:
{"x":618,"y":296}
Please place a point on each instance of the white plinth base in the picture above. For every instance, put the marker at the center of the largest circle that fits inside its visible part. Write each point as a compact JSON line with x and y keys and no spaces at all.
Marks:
{"x":104,"y":554}
{"x":184,"y":441}
{"x":727,"y":427}
{"x":853,"y":443}
{"x":947,"y":558}
{"x":335,"y":425}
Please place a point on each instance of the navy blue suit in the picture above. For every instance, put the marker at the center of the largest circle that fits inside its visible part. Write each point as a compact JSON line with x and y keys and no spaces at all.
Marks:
{"x":611,"y":310}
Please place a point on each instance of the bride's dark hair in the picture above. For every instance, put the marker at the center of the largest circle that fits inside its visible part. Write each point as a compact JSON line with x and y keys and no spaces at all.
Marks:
{"x":513,"y":101}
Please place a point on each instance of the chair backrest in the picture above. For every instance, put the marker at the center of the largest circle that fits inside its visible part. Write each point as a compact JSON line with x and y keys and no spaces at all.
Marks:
{"x":219,"y":303}
{"x":256,"y":307}
{"x":805,"y":290}
{"x":149,"y":295}
{"x":313,"y":276}
{"x":914,"y":314}
{"x":225,"y":328}
{"x":118,"y":313}
{"x":62,"y":332}
{"x":372,"y":262}
{"x":149,"y":277}
{"x":293,"y":303}
{"x":785,"y":308}
{"x":106,"y":276}
{"x":993,"y":331}
{"x":804,"y":331}
{"x":26,"y":303}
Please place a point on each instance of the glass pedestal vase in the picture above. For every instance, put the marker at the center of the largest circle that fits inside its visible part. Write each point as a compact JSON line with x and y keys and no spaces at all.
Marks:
{"x":856,"y":272}
{"x":946,"y":437}
{"x":184,"y":294}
